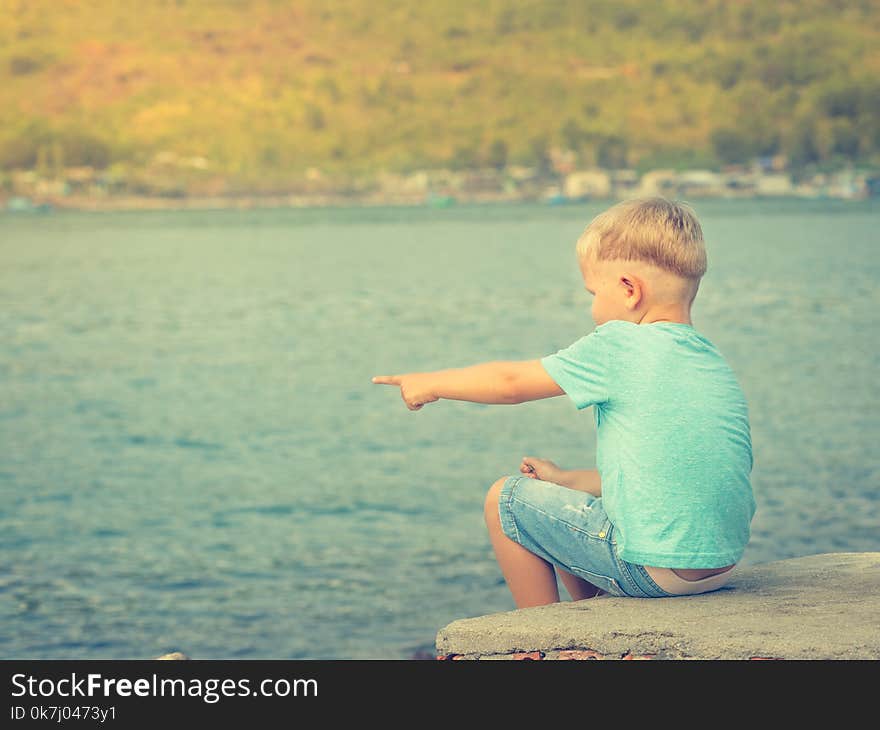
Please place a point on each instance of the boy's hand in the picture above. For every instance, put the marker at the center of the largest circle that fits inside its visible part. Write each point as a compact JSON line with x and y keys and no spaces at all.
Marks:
{"x":542,"y":469}
{"x":415,"y":388}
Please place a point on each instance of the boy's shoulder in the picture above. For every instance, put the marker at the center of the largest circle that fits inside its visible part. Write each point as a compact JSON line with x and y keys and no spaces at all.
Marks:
{"x":613,"y":325}
{"x":653,"y":336}
{"x":625,"y":328}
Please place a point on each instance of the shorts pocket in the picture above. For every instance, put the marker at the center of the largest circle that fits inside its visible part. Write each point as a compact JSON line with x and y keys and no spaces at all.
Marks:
{"x":609,"y":585}
{"x":597,"y":523}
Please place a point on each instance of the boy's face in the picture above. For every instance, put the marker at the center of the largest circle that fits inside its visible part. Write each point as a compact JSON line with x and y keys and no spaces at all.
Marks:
{"x":635,"y":291}
{"x":609,"y":294}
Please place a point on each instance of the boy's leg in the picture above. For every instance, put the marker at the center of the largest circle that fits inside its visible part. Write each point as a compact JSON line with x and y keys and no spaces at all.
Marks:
{"x":577,"y":587}
{"x":588,"y":480}
{"x":530,"y":578}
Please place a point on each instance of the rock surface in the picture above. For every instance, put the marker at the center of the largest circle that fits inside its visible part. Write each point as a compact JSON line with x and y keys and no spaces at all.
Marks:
{"x":823,"y":606}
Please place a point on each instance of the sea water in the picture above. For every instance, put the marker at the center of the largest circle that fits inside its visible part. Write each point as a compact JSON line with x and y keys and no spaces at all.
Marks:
{"x":193,"y":457}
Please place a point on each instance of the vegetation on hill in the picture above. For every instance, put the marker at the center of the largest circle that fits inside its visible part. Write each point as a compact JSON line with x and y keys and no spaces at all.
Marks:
{"x":251,"y":95}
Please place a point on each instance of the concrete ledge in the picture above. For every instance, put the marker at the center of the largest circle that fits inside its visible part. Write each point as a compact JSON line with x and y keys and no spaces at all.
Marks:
{"x":816,"y":607}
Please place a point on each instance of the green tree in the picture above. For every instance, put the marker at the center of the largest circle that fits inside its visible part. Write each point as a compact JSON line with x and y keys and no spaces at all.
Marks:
{"x":573,"y":135}
{"x":23,"y":65}
{"x":844,"y":139}
{"x":611,"y":152}
{"x":539,"y":155}
{"x":497,"y":157}
{"x":728,"y":71}
{"x":42,"y":166}
{"x":315,"y":118}
{"x":21,"y":149}
{"x":58,"y":160}
{"x":731,"y":145}
{"x":81,"y":148}
{"x":803,"y":145}
{"x":505,"y":22}
{"x":464,"y":157}
{"x":840,"y":99}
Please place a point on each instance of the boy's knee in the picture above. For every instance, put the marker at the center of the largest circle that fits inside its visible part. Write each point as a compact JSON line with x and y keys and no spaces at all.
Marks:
{"x":492,"y":498}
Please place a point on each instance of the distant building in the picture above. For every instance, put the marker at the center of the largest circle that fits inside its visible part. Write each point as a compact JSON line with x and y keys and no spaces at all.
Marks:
{"x":739,"y":183}
{"x":481,"y":182}
{"x":770,"y":163}
{"x":700,"y":184}
{"x":773,"y":185}
{"x":81,"y":180}
{"x":520,"y":173}
{"x":658,"y":182}
{"x":587,"y":184}
{"x":624,"y":183}
{"x":394,"y":185}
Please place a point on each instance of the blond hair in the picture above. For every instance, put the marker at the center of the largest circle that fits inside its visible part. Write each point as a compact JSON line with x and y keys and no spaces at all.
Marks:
{"x":655,"y":230}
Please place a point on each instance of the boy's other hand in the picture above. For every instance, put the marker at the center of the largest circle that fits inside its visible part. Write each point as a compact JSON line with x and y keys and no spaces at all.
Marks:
{"x":414,"y":388}
{"x":542,"y":469}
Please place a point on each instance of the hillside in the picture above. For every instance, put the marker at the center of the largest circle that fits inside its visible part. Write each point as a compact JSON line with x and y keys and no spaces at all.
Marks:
{"x":253,"y":94}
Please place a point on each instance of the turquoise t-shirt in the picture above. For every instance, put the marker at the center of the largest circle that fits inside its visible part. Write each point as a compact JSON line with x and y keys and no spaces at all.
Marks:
{"x":673,"y":447}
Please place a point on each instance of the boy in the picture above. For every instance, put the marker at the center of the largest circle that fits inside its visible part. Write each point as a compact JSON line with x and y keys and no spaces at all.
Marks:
{"x":669,"y":509}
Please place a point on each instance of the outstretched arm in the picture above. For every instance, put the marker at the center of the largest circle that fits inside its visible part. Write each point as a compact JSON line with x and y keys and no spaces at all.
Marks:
{"x":490,"y":382}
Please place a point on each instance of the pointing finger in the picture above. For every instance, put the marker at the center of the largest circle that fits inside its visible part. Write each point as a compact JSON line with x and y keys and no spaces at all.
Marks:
{"x":387,"y":379}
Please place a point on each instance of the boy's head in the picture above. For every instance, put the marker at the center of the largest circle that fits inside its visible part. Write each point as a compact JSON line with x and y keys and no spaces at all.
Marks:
{"x":642,"y":260}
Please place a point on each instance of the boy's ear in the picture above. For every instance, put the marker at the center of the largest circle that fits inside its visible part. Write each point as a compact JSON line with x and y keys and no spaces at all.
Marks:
{"x":633,"y":290}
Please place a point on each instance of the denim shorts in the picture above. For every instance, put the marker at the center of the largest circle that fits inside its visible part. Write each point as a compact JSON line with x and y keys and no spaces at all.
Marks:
{"x":570,"y":529}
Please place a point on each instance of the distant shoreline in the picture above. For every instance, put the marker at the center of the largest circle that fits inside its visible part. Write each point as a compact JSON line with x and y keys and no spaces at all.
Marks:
{"x":132,"y":203}
{"x":89,"y":189}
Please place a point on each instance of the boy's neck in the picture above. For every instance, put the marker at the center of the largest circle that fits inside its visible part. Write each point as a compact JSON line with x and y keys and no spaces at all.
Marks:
{"x":671,"y":321}
{"x":665,"y":314}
